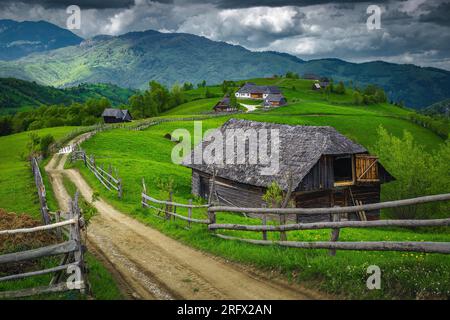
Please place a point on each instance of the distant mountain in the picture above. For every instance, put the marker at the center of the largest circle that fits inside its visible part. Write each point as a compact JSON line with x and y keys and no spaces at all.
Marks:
{"x":132,"y":59}
{"x":19,"y":39}
{"x":15,"y":93}
{"x":441,"y":108}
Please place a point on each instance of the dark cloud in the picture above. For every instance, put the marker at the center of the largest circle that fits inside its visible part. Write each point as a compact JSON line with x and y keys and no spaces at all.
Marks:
{"x":86,"y":4}
{"x":439,"y":15}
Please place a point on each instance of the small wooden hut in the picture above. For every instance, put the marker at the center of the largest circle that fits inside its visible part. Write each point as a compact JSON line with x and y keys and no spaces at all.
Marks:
{"x":326,"y":168}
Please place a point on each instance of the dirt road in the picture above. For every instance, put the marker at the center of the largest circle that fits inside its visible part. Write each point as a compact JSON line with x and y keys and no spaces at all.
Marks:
{"x":149,"y":265}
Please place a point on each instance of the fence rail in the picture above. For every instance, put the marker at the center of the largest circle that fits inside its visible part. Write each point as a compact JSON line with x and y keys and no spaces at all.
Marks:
{"x":71,"y":249}
{"x":40,"y":190}
{"x":335,"y":224}
{"x":170,"y":207}
{"x":107,"y":179}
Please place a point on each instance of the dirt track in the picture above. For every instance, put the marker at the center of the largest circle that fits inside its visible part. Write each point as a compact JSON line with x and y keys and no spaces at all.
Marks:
{"x":149,"y":265}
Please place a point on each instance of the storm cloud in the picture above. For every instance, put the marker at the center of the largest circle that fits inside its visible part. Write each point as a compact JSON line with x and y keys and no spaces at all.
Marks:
{"x":412,"y":31}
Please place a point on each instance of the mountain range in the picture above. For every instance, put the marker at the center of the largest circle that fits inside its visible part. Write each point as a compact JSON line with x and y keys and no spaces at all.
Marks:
{"x":133,"y":59}
{"x":19,"y":39}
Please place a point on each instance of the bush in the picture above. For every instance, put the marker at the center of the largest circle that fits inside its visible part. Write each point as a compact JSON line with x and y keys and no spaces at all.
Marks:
{"x":417,"y":173}
{"x":46,"y":142}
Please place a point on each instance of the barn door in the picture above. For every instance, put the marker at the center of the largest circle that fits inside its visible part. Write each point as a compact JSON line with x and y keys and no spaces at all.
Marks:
{"x":366,"y":168}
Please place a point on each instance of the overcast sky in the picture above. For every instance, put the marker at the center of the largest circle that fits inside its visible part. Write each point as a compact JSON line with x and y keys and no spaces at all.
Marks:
{"x":412,"y":31}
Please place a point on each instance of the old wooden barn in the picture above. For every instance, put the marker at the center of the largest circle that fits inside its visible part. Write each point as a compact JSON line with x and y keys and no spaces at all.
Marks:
{"x":326,"y":169}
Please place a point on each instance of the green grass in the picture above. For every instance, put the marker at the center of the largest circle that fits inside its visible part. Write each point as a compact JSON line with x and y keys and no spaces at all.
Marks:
{"x":194,"y":107}
{"x":17,"y":189}
{"x":18,"y":194}
{"x":147,"y":153}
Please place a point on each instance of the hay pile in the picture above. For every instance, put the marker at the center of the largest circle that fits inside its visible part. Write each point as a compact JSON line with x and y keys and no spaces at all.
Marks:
{"x":21,"y":242}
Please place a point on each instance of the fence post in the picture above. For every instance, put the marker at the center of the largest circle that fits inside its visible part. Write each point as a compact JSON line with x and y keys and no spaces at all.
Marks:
{"x":119,"y":186}
{"x":264,"y":222}
{"x":334,"y":233}
{"x":144,"y":191}
{"x":189,"y":213}
{"x":212,"y":214}
{"x":58,"y":219}
{"x":75,"y":234}
{"x":168,"y":206}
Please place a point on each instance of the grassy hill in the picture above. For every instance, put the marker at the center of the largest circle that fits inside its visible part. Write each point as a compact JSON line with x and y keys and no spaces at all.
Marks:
{"x":18,"y":94}
{"x":438,"y":109}
{"x":147,"y":154}
{"x":132,"y":59}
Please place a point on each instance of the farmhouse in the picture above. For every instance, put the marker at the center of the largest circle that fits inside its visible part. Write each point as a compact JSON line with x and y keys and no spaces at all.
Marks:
{"x":224,"y":105}
{"x":275,"y":100}
{"x":116,"y":115}
{"x":326,"y":169}
{"x":252,"y":91}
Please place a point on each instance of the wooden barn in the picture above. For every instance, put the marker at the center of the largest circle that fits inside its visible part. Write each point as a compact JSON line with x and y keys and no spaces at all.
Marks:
{"x":326,"y":169}
{"x":111,"y":115}
{"x":224,"y":105}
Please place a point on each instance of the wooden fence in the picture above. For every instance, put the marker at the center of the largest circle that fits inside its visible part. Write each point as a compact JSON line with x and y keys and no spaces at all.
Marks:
{"x":169,"y":207}
{"x":105,"y":176}
{"x":40,"y":190}
{"x":71,"y":251}
{"x":335,"y":224}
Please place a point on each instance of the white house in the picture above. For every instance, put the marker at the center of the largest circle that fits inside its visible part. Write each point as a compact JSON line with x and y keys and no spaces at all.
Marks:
{"x":252,"y":91}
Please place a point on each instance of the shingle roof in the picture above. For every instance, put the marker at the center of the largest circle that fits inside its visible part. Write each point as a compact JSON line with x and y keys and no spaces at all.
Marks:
{"x":299,"y":150}
{"x":253,"y":88}
{"x":116,"y":113}
{"x":274,"y":97}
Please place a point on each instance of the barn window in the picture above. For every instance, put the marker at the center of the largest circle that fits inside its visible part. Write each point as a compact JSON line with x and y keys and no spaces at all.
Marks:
{"x":343,"y":170}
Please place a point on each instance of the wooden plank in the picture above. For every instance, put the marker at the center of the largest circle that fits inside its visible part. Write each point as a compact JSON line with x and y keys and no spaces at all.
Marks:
{"x":39,"y":228}
{"x":181,"y":205}
{"x":203,"y":221}
{"x":53,"y":250}
{"x":367,"y":207}
{"x":330,"y":225}
{"x":60,"y":287}
{"x":426,"y":247}
{"x":37,"y":273}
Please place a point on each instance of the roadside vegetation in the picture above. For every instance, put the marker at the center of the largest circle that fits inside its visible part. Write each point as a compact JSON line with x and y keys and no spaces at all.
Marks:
{"x":20,"y":209}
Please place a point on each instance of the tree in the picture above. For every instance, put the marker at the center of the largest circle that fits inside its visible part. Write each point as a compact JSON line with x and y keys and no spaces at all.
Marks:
{"x":340,"y":88}
{"x":5,"y":126}
{"x":45,"y":143}
{"x":188,"y":86}
{"x":357,"y":98}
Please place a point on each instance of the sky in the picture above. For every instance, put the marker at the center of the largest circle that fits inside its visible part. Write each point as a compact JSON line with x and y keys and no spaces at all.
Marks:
{"x":411,"y":31}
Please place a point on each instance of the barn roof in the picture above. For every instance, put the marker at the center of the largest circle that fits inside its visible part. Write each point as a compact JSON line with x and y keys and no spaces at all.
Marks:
{"x":300,"y":148}
{"x":116,"y":113}
{"x":274,"y":97}
{"x":253,"y":88}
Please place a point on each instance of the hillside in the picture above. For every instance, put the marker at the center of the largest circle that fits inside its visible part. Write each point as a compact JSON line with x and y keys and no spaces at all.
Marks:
{"x":132,"y":59}
{"x":147,"y":154}
{"x":19,"y":39}
{"x":15,"y":93}
{"x":440,"y":109}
